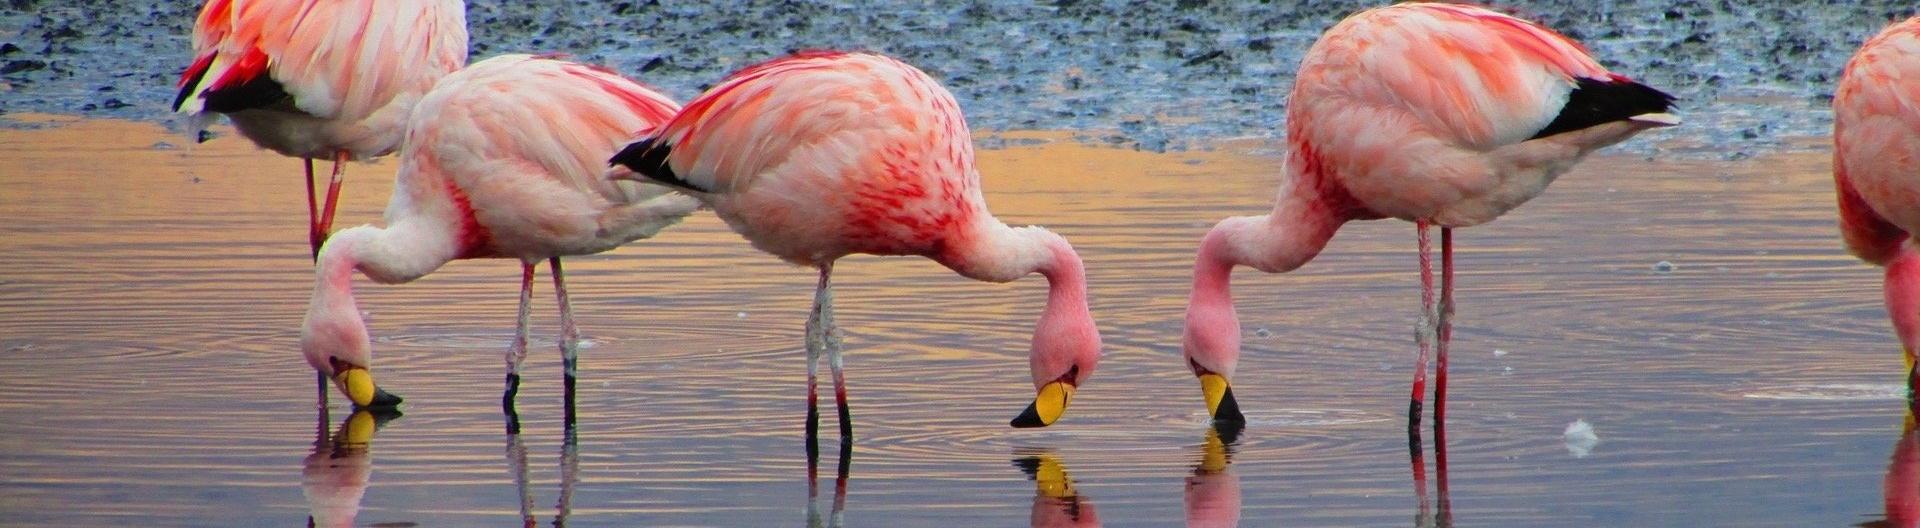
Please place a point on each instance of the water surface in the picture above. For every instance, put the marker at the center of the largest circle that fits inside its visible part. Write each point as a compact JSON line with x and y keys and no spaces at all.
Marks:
{"x":151,"y":296}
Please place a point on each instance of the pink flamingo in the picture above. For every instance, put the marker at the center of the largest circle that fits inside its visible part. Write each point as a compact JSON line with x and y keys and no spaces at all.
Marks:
{"x":1436,"y":114}
{"x":821,"y":155}
{"x":501,"y":160}
{"x":319,"y":79}
{"x":1876,"y":167}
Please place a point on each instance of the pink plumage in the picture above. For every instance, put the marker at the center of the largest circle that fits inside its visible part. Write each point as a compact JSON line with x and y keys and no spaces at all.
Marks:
{"x":1876,"y":169}
{"x":820,"y":155}
{"x":314,"y":79}
{"x":1432,"y":113}
{"x":502,"y":159}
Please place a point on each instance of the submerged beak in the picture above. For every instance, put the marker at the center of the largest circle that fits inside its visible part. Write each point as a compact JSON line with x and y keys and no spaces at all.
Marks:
{"x":1047,"y":406}
{"x":358,"y":384}
{"x":1220,"y":402}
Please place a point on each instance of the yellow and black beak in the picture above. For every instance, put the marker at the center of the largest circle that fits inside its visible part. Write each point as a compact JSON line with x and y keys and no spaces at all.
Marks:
{"x":1220,"y":403}
{"x":1047,"y":406}
{"x":358,"y":384}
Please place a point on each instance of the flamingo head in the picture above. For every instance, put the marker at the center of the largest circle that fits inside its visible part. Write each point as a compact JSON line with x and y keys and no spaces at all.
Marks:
{"x":1211,"y":342}
{"x":1066,"y":344}
{"x":334,"y":338}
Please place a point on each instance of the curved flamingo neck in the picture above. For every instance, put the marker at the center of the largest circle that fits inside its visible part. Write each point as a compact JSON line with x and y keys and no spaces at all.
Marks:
{"x":1902,"y":289}
{"x":1065,"y":336}
{"x":1304,"y":218}
{"x":401,"y":253}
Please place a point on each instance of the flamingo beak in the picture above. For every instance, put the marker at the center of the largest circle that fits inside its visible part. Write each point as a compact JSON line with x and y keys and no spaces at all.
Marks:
{"x":1047,"y":406}
{"x":1220,"y":403}
{"x":358,"y":384}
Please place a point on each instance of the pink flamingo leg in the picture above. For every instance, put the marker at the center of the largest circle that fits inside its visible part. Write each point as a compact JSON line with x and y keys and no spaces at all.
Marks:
{"x":830,"y":337}
{"x":1445,"y":517}
{"x":1421,"y":329}
{"x":1903,"y":306}
{"x":816,"y":343}
{"x":325,"y":226}
{"x":313,"y":217}
{"x":517,"y":349}
{"x":1444,"y":333}
{"x":569,"y":339}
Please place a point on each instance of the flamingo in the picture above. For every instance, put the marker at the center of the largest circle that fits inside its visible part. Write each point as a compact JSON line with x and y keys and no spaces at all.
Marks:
{"x":318,"y":79}
{"x":823,"y":154}
{"x":1876,"y":168}
{"x":501,"y":160}
{"x":1436,"y":114}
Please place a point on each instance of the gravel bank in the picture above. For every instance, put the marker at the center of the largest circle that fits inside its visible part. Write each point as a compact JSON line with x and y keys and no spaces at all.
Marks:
{"x":1170,"y":75}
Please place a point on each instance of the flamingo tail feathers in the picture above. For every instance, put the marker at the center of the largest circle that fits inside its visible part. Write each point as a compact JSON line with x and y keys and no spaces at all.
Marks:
{"x":1599,"y":101}
{"x":648,"y":158}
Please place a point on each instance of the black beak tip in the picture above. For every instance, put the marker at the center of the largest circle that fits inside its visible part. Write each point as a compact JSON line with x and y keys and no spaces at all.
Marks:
{"x":1028,"y":419}
{"x":384,"y":401}
{"x":1229,"y":410}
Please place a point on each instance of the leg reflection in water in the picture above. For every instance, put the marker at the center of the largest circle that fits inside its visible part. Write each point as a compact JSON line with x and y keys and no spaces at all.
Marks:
{"x":569,"y":474}
{"x":1902,"y":485}
{"x":1056,"y":503}
{"x":336,"y":474}
{"x":1425,"y":515}
{"x":835,"y":517}
{"x":1213,"y":491}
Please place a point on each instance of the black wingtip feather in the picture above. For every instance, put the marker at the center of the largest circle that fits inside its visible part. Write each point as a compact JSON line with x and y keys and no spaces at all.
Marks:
{"x":1597,"y":101}
{"x":649,"y":158}
{"x":259,"y":92}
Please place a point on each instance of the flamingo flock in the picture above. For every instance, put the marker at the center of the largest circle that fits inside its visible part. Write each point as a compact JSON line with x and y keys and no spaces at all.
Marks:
{"x":1438,"y":114}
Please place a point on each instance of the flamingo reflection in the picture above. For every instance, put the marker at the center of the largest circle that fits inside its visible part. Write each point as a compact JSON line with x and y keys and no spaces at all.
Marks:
{"x":336,"y":474}
{"x":569,"y":475}
{"x":835,"y":517}
{"x":1056,"y":503}
{"x":1902,"y":485}
{"x":1426,"y":516}
{"x":1213,"y":491}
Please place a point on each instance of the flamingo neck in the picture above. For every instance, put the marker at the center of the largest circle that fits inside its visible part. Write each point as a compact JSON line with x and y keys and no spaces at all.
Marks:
{"x":1065,"y":336}
{"x":1293,"y":234}
{"x":333,"y":329}
{"x":1902,"y":289}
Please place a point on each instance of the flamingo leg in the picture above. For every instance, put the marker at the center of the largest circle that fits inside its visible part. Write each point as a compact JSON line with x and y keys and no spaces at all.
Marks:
{"x":816,"y":343}
{"x":325,"y":227}
{"x":1444,"y":332}
{"x":517,"y":350}
{"x":830,"y":336}
{"x":569,"y":339}
{"x":321,"y":395}
{"x":1422,"y":332}
{"x":313,"y":216}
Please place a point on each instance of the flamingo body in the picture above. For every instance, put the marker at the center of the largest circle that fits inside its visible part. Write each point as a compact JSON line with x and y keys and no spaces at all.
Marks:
{"x":501,"y":160}
{"x":1876,"y":168}
{"x":820,"y":155}
{"x":315,"y":79}
{"x":311,"y":79}
{"x":1433,"y":113}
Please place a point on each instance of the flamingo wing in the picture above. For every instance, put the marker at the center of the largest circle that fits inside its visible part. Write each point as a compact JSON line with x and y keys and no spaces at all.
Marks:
{"x":499,"y":119}
{"x":1876,"y":129}
{"x":1473,"y":77}
{"x":811,"y":110}
{"x":324,"y":58}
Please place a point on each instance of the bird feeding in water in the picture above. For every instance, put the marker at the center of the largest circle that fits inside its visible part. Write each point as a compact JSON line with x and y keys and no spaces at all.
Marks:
{"x":1432,"y":113}
{"x":502,"y":160}
{"x":820,"y":155}
{"x":1876,"y":170}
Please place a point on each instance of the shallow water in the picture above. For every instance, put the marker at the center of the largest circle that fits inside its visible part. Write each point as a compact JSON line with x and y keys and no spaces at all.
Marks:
{"x":151,"y":298}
